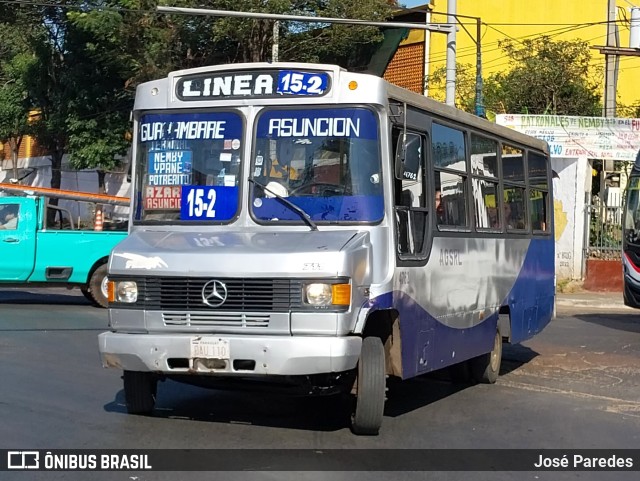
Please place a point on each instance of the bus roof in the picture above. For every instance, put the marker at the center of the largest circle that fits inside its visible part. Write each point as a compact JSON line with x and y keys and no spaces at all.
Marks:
{"x":344,"y":87}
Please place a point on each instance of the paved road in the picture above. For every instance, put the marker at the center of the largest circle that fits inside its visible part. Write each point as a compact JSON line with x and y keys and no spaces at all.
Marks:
{"x":575,"y":386}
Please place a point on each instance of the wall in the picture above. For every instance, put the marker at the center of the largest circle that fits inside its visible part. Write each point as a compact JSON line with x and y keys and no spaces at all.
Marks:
{"x":511,"y":19}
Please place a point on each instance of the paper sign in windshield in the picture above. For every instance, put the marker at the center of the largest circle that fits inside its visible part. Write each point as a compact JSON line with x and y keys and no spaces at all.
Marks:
{"x":162,"y":197}
{"x":170,"y":167}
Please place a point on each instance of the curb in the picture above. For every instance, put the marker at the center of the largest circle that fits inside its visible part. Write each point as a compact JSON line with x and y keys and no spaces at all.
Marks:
{"x":591,"y":303}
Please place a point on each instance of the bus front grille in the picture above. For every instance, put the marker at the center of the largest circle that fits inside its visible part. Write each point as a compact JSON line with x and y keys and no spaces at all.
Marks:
{"x":214,"y":319}
{"x":243,"y":295}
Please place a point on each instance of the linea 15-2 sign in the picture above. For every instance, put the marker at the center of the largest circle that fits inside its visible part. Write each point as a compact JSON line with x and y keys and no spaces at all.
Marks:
{"x":246,"y":84}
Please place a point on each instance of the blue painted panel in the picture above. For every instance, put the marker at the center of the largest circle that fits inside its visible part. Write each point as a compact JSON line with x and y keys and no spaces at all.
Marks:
{"x":355,"y":208}
{"x":531,"y":302}
{"x":531,"y":299}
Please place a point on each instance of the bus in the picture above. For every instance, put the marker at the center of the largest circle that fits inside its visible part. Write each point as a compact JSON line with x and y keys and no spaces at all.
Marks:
{"x":285,"y":232}
{"x":631,"y":238}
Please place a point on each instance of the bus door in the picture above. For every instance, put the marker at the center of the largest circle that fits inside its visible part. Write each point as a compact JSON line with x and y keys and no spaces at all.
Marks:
{"x":413,"y":246}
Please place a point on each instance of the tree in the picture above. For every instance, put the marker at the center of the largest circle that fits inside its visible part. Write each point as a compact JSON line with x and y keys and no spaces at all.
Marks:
{"x":547,"y":77}
{"x":14,"y":100}
{"x":91,"y":54}
{"x":465,"y":93}
{"x":43,"y":29}
{"x":14,"y":107}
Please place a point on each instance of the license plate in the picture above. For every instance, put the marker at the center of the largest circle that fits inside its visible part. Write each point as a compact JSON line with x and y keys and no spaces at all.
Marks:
{"x":209,"y":348}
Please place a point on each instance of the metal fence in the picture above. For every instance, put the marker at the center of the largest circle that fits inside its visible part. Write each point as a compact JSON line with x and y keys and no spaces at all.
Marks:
{"x":603,"y":227}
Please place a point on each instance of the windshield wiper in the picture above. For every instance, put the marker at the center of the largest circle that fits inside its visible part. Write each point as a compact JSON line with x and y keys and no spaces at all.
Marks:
{"x":303,"y":215}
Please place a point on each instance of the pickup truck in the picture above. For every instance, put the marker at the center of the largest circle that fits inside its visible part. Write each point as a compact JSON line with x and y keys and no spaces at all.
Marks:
{"x":41,"y":244}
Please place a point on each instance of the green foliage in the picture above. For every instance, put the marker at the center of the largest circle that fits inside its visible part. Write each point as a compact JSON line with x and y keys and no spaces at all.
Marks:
{"x":465,"y":94}
{"x":87,"y":59}
{"x":14,"y":99}
{"x":545,"y":77}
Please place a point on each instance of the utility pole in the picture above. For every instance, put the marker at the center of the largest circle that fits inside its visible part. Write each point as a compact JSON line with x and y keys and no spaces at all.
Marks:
{"x":276,"y":39}
{"x":612,"y":61}
{"x":448,"y":28}
{"x":450,"y":84}
{"x":480,"y":112}
{"x":426,"y":60}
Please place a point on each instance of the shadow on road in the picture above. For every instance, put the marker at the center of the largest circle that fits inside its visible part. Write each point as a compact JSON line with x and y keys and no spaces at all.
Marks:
{"x":514,"y":356}
{"x":181,"y":401}
{"x":623,"y":322}
{"x":319,"y":413}
{"x":43,"y":296}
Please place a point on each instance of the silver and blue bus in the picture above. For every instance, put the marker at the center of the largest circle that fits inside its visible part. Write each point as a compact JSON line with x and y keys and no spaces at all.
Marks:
{"x":631,"y":238}
{"x":305,"y":227}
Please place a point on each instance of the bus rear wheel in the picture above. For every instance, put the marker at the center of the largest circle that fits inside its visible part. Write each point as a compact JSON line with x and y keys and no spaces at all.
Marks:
{"x":370,"y":388}
{"x":140,"y":390}
{"x":486,"y":368}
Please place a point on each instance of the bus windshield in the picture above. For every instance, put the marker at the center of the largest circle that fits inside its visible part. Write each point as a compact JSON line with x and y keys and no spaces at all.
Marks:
{"x":324,"y":161}
{"x":188,"y":166}
{"x":632,"y":211}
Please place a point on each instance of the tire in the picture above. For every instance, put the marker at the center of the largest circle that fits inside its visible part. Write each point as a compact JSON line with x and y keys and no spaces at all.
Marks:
{"x":97,"y":286}
{"x":87,"y":295}
{"x":140,"y":390}
{"x":486,"y":368}
{"x":370,"y":388}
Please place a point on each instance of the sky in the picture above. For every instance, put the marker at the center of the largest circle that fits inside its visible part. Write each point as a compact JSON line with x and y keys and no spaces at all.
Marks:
{"x":412,"y":3}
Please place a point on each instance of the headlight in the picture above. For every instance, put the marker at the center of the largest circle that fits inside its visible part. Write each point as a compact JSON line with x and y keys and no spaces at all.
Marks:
{"x":123,"y":291}
{"x":318,"y":294}
{"x":323,"y":294}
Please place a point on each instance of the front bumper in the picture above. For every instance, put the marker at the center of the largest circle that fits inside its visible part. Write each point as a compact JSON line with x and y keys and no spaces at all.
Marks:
{"x":273,"y":355}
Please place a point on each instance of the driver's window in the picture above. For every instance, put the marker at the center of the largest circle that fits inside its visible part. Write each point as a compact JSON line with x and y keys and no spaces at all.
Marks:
{"x":9,"y":216}
{"x":411,"y":209}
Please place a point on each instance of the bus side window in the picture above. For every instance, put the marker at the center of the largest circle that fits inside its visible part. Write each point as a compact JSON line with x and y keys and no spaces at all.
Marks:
{"x":450,"y":199}
{"x":449,"y":161}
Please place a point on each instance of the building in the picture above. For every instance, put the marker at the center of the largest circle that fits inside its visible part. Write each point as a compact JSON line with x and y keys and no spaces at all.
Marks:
{"x":510,"y":19}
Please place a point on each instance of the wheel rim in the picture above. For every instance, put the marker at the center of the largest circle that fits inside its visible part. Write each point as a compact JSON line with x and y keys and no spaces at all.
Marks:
{"x":495,"y":354}
{"x":104,"y":287}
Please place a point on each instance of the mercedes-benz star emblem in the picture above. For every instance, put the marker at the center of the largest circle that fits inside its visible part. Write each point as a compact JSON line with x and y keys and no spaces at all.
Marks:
{"x":214,"y":293}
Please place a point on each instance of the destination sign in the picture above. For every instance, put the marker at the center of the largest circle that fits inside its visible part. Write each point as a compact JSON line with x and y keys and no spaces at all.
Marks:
{"x":247,"y":84}
{"x":175,"y":131}
{"x":162,"y":197}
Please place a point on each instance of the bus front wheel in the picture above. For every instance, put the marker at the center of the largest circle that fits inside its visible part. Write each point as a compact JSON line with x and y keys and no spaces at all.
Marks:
{"x":370,"y":388}
{"x":486,"y":368}
{"x":140,"y":390}
{"x":96,"y":289}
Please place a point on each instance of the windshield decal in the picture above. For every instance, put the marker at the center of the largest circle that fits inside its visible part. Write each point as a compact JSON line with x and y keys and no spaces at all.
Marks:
{"x":208,"y":202}
{"x":137,"y":261}
{"x":357,"y":123}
